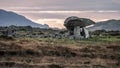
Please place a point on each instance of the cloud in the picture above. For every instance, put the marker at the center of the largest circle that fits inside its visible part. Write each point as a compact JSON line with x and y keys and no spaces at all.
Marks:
{"x":24,"y":8}
{"x":100,"y":11}
{"x":64,"y":4}
{"x":52,"y":22}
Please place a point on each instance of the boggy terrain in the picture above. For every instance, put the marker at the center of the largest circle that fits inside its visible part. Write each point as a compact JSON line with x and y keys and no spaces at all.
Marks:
{"x":55,"y":53}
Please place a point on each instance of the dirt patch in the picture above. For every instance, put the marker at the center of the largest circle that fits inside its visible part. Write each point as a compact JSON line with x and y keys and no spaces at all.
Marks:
{"x":57,"y":51}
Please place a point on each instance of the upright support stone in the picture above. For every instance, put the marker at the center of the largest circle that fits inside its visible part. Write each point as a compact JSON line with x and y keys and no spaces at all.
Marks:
{"x":77,"y":34}
{"x":80,"y":33}
{"x":86,"y":33}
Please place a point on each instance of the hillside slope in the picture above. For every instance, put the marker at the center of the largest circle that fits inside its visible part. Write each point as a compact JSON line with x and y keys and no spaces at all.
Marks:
{"x":8,"y":18}
{"x":106,"y":25}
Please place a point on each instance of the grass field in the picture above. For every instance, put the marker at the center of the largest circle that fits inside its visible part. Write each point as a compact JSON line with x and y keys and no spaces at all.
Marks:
{"x":97,"y":52}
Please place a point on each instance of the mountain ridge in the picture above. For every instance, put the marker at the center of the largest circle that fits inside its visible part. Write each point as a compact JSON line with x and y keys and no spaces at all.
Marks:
{"x":109,"y":25}
{"x":8,"y":18}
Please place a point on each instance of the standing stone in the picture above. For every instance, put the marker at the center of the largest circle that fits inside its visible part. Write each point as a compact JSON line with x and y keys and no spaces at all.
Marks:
{"x":76,"y":27}
{"x":77,"y":34}
{"x":86,"y":33}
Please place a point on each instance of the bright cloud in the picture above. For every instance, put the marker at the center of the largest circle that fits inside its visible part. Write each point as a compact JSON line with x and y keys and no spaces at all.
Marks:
{"x":52,"y":22}
{"x":66,"y":11}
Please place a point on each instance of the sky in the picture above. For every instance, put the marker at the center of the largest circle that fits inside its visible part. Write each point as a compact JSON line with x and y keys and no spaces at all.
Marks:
{"x":54,"y":12}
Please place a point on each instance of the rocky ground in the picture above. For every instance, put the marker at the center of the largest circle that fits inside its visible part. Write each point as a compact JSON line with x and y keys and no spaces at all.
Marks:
{"x":22,"y":53}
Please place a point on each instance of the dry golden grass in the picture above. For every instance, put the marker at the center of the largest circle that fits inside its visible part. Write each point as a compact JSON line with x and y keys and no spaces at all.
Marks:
{"x":55,"y":53}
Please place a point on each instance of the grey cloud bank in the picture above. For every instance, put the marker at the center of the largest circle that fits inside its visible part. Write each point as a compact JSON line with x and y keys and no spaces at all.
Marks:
{"x":64,"y":4}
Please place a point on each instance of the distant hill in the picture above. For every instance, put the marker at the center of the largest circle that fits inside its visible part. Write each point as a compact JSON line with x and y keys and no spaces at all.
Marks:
{"x":8,"y":18}
{"x":108,"y":25}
